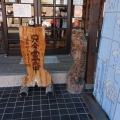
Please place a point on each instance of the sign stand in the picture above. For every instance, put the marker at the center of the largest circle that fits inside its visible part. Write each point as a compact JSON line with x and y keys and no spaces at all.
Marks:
{"x":32,"y":42}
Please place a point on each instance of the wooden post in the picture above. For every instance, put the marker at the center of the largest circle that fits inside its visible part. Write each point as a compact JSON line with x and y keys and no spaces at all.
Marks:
{"x":93,"y":27}
{"x":75,"y":78}
{"x":32,"y":42}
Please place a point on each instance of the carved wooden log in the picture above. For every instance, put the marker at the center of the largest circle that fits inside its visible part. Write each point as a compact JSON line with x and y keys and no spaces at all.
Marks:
{"x":75,"y":78}
{"x":32,"y":42}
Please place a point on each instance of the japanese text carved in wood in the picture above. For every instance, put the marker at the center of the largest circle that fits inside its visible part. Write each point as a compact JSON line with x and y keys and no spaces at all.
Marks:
{"x":32,"y":42}
{"x":75,"y":78}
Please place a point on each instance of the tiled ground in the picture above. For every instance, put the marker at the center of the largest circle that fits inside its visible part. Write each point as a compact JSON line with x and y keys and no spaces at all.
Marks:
{"x":38,"y":106}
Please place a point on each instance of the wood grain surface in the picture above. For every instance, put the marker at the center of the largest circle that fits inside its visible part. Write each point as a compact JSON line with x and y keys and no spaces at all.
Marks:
{"x":32,"y":43}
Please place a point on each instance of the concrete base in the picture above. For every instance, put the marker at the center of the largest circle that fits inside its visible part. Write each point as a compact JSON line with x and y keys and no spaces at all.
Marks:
{"x":16,"y":80}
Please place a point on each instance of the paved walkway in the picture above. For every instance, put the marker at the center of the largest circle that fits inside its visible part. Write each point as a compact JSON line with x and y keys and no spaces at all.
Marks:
{"x":38,"y":106}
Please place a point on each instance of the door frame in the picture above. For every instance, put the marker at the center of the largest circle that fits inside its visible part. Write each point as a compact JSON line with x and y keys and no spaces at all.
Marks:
{"x":68,"y":29}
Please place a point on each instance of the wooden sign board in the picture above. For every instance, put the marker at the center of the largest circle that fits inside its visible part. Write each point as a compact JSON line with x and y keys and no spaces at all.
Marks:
{"x":22,"y":10}
{"x":32,"y":42}
{"x":78,"y":11}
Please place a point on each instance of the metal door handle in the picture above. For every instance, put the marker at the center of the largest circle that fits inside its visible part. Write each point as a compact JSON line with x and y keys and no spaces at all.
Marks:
{"x":35,"y":19}
{"x":39,"y":20}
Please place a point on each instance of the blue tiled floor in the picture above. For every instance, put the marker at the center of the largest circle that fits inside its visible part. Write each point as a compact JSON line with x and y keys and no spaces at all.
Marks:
{"x":38,"y":106}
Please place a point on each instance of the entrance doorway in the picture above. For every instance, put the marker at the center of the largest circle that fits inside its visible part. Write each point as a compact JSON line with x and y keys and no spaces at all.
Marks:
{"x":55,"y":15}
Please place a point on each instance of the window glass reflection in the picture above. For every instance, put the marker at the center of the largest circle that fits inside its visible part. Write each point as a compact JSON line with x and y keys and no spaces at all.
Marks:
{"x":62,"y":23}
{"x":48,"y":34}
{"x":57,"y":11}
{"x":61,"y":11}
{"x":50,"y":23}
{"x":46,"y":22}
{"x":46,"y":11}
{"x":77,"y":22}
{"x":13,"y":34}
{"x":13,"y":22}
{"x":49,"y":44}
{"x":61,"y":2}
{"x":9,"y":10}
{"x":46,"y":1}
{"x":13,"y":31}
{"x":54,"y":23}
{"x":14,"y":44}
{"x":14,"y":1}
{"x":61,"y":34}
{"x":28,"y":22}
{"x":32,"y":10}
{"x":60,"y":44}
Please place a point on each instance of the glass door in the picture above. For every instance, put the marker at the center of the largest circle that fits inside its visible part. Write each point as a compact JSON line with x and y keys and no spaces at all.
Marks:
{"x":11,"y":24}
{"x":55,"y":16}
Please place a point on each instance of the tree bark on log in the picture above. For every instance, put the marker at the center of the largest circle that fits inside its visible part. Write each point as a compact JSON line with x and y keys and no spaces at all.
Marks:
{"x":75,"y":78}
{"x":32,"y":42}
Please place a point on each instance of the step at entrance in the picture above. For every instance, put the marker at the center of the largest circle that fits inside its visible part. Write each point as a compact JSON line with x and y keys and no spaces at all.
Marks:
{"x":13,"y":69}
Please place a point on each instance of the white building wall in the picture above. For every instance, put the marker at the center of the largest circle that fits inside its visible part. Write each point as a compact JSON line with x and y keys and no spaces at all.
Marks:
{"x":107,"y":78}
